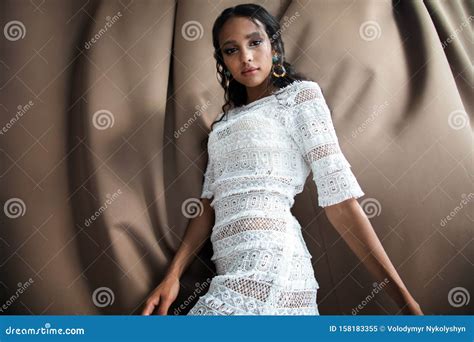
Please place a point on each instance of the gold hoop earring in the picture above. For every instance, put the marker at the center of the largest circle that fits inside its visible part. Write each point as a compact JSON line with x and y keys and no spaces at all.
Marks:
{"x":283,"y":70}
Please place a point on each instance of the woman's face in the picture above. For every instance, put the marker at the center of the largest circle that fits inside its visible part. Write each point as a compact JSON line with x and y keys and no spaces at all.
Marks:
{"x":244,"y":46}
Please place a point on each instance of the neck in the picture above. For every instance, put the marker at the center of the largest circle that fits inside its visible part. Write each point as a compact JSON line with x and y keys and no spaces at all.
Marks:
{"x":262,"y":90}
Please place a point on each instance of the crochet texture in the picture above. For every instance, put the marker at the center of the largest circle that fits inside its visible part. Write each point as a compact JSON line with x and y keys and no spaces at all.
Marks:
{"x":260,"y":156}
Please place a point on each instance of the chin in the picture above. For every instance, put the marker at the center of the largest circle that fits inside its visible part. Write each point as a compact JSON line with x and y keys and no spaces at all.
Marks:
{"x":253,"y":82}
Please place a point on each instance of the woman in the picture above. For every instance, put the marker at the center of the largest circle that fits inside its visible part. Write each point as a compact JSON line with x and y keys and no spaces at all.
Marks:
{"x":274,"y":130}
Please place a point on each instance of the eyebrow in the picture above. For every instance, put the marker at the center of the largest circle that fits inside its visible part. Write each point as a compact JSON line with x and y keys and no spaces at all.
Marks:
{"x":247,"y":36}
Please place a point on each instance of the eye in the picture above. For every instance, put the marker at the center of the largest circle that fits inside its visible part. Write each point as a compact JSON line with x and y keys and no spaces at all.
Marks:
{"x":229,"y":51}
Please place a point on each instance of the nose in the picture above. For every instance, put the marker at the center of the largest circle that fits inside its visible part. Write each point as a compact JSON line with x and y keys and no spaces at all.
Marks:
{"x":246,"y":56}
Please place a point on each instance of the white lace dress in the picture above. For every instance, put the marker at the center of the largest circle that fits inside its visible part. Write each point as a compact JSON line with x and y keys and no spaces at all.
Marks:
{"x":260,"y":156}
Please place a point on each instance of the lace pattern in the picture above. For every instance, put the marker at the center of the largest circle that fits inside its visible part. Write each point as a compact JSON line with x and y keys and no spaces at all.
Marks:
{"x":259,"y":158}
{"x":311,"y":127}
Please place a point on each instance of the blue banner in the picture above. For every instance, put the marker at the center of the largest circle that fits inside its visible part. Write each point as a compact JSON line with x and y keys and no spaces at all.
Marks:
{"x":238,"y":328}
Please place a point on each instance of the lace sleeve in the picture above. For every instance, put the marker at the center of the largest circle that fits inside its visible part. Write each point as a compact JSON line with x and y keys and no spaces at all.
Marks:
{"x":208,"y":180}
{"x":309,"y":123}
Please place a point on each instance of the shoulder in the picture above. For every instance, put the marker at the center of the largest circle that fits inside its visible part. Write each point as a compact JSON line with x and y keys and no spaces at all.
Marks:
{"x":299,"y":92}
{"x":303,"y":103}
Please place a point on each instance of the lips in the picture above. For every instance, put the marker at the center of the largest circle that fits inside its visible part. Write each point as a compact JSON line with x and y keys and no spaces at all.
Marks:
{"x":248,"y":70}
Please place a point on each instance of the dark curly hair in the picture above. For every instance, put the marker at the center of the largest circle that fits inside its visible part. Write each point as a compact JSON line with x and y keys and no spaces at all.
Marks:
{"x":235,"y":92}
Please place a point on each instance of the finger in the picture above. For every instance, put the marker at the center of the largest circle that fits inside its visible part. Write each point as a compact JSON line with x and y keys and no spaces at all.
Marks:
{"x":164,"y":306}
{"x":150,"y":306}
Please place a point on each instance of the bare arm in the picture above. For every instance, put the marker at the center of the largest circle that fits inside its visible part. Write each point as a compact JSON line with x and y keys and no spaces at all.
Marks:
{"x":354,"y":226}
{"x":198,"y":231}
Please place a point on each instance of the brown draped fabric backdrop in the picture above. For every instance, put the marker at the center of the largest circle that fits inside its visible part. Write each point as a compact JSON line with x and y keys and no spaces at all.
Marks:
{"x":105,"y":104}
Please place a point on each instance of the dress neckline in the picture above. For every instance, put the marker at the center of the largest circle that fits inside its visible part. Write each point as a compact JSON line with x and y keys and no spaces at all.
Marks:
{"x":254,"y":103}
{"x":266,"y":98}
